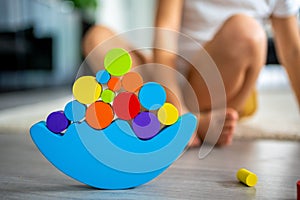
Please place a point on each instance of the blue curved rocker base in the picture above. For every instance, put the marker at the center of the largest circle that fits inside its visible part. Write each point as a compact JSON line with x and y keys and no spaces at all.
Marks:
{"x":113,"y":158}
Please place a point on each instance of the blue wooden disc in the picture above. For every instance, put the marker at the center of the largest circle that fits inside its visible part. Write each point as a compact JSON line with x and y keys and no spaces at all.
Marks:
{"x":152,"y":96}
{"x":102,"y":76}
{"x":75,"y":111}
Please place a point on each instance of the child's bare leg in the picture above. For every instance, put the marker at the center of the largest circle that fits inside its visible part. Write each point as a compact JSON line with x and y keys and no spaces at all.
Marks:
{"x":239,"y":51}
{"x":104,"y":36}
{"x":287,"y":40}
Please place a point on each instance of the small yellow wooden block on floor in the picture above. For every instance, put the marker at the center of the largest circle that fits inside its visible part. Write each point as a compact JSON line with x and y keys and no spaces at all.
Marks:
{"x":246,"y":177}
{"x":167,"y":114}
{"x":86,"y":89}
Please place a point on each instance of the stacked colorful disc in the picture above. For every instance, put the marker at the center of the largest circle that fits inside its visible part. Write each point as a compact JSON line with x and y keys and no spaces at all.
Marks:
{"x":116,"y":93}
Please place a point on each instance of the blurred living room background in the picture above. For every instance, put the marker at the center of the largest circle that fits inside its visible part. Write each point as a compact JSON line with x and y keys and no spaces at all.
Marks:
{"x":40,"y":40}
{"x":39,"y":43}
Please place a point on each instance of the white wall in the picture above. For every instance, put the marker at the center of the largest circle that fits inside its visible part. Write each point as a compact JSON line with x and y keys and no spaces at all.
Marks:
{"x":126,"y":15}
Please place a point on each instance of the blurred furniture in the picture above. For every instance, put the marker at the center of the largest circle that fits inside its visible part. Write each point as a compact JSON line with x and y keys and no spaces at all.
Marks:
{"x":21,"y":50}
{"x":39,"y":43}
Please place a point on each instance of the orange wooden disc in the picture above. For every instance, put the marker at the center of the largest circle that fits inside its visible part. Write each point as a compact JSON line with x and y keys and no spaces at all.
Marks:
{"x":132,"y":81}
{"x":99,"y":115}
{"x":114,"y":84}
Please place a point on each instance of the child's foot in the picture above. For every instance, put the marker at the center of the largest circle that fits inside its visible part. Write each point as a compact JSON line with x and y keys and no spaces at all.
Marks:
{"x":226,"y":135}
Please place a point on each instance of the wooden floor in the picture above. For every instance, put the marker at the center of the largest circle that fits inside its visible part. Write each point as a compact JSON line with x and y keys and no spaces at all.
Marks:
{"x":25,"y":174}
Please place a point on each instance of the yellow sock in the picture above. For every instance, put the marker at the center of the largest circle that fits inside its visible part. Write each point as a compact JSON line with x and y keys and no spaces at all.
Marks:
{"x":250,"y":105}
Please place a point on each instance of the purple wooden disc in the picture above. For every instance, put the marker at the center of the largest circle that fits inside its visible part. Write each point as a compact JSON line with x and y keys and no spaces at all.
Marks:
{"x":57,"y":122}
{"x":145,"y":125}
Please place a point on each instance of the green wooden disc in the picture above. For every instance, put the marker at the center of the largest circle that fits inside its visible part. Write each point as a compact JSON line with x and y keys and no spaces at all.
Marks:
{"x":117,"y":62}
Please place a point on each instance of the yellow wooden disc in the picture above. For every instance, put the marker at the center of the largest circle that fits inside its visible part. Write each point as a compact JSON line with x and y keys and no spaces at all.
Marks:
{"x":86,"y":89}
{"x":167,"y":114}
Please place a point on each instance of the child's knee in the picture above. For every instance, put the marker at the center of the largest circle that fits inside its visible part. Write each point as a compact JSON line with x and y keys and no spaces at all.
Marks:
{"x":245,"y":35}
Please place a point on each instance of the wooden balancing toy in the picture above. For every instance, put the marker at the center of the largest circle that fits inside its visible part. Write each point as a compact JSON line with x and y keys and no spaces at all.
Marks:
{"x":118,"y":132}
